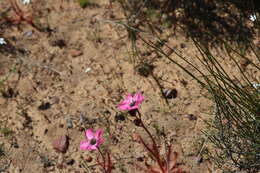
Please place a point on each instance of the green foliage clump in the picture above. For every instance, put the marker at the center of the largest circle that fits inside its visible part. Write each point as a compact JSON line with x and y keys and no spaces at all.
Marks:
{"x":84,"y":3}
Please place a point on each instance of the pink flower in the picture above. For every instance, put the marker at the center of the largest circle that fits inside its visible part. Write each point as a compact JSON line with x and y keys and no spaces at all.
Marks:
{"x":92,"y":141}
{"x":131,"y":102}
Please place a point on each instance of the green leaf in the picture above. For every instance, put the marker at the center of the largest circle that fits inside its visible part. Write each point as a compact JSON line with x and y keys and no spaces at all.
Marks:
{"x":83,"y":3}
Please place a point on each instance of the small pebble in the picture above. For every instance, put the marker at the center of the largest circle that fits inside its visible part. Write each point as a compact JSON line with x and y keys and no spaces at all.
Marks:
{"x":70,"y":162}
{"x":81,"y":129}
{"x":44,"y":106}
{"x":114,"y":140}
{"x":51,"y":168}
{"x":9,"y":93}
{"x":28,"y":33}
{"x":183,"y":45}
{"x":82,"y":118}
{"x":136,"y":137}
{"x":55,"y":100}
{"x":88,"y":158}
{"x":164,"y":16}
{"x":69,"y":122}
{"x":252,"y":17}
{"x":184,"y":82}
{"x":75,"y":52}
{"x":58,"y":42}
{"x":15,"y":145}
{"x":192,"y":117}
{"x":119,"y":117}
{"x":87,"y":70}
{"x":60,"y":144}
{"x":256,"y":85}
{"x":137,"y":122}
{"x":45,"y":131}
{"x":145,"y":69}
{"x":140,"y":159}
{"x":170,"y":93}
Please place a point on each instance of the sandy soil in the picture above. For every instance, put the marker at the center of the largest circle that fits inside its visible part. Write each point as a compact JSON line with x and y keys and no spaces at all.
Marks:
{"x":83,"y":69}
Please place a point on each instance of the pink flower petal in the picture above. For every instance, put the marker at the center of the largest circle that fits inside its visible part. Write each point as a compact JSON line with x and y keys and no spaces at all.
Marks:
{"x":98,"y":134}
{"x":99,"y":141}
{"x":89,"y":134}
{"x":88,"y":144}
{"x":138,"y":98}
{"x":124,"y":107}
{"x":92,"y":147}
{"x":124,"y":102}
{"x":84,"y":145}
{"x":128,"y":98}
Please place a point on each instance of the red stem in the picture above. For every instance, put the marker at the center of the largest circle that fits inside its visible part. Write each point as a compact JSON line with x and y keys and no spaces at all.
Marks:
{"x":104,"y":161}
{"x":109,"y":166}
{"x":156,"y":154}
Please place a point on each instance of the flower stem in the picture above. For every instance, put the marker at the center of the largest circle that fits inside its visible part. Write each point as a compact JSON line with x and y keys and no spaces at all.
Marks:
{"x":156,"y":154}
{"x":104,"y":161}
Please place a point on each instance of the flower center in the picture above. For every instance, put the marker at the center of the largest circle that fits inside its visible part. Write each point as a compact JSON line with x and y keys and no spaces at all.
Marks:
{"x":132,"y":103}
{"x":93,"y":141}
